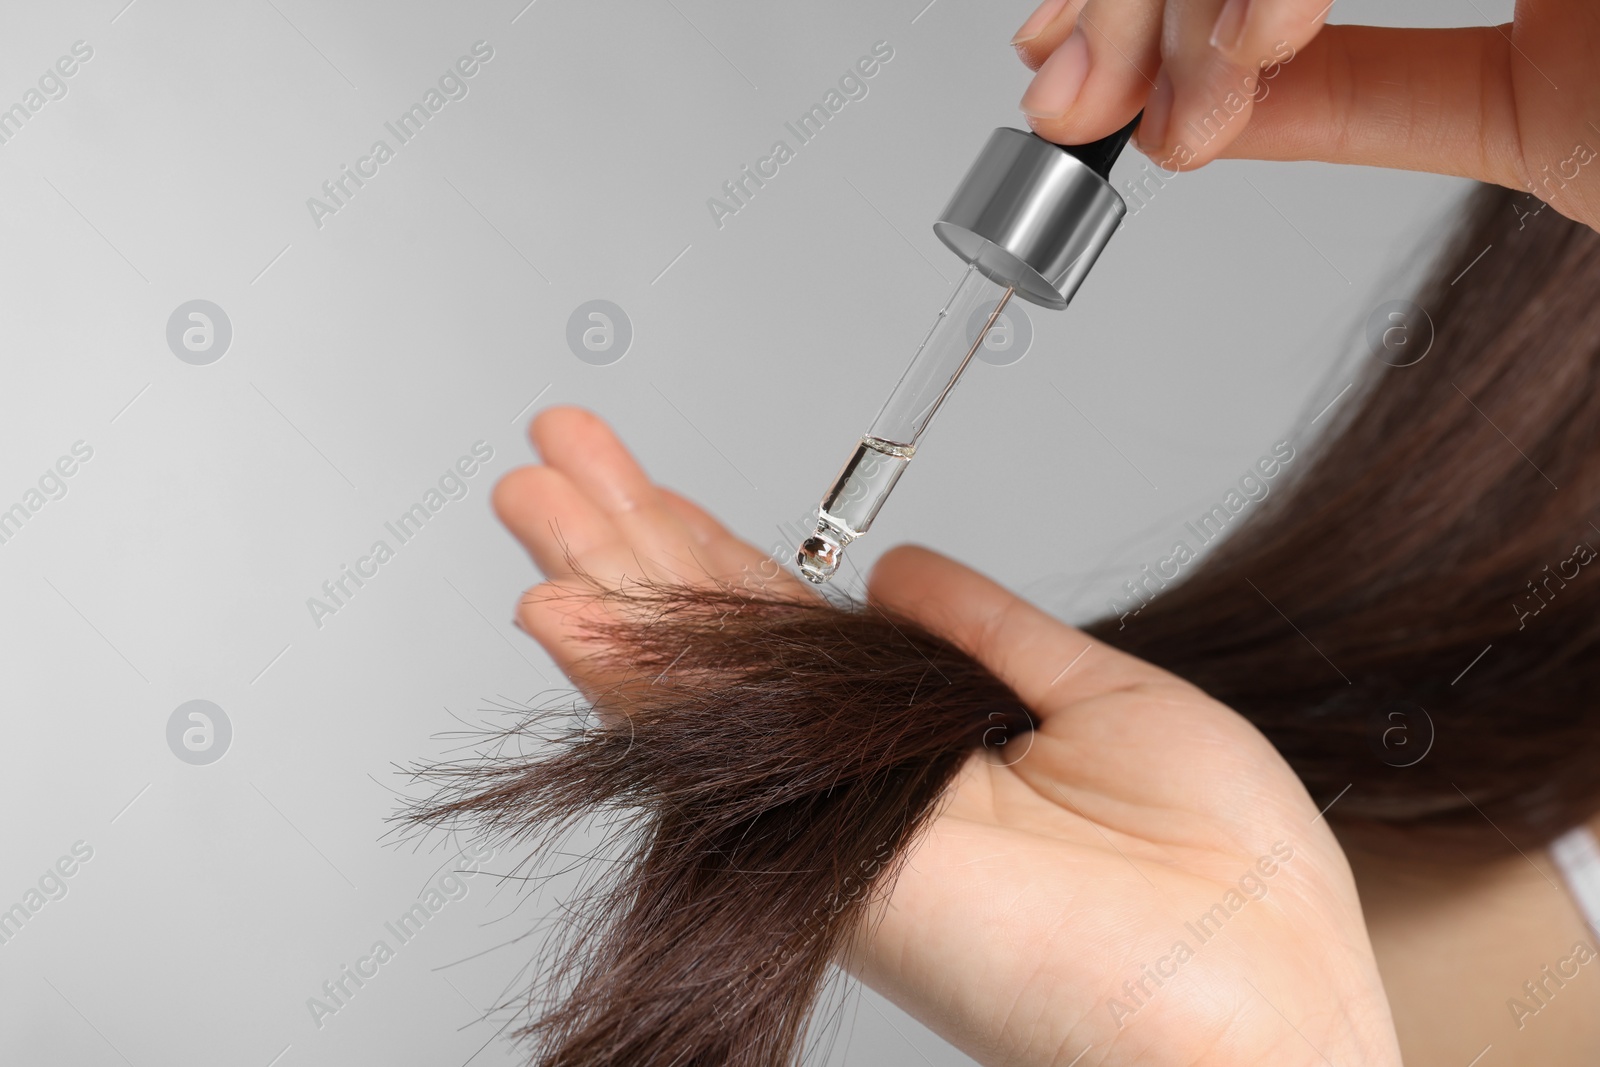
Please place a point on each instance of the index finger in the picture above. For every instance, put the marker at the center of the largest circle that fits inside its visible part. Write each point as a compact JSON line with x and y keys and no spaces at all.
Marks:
{"x":1246,"y":30}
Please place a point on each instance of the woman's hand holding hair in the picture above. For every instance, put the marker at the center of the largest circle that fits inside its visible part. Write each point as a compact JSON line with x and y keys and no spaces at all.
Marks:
{"x":1516,"y":105}
{"x":1143,"y":881}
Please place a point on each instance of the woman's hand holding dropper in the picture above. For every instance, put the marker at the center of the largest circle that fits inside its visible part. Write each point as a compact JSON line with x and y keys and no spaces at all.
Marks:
{"x":1516,"y":105}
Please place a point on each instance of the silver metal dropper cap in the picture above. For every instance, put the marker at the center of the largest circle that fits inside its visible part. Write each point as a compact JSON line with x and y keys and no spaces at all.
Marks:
{"x":1031,"y":215}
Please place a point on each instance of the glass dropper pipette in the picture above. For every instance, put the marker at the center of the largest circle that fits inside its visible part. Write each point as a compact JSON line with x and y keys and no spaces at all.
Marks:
{"x":883,"y":453}
{"x":1030,"y":218}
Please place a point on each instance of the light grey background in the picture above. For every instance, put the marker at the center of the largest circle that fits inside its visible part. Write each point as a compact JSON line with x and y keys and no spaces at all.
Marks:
{"x":428,"y":314}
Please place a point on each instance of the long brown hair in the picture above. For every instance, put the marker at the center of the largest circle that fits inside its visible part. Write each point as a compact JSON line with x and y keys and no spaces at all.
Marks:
{"x":755,"y":780}
{"x":1425,"y":569}
{"x":771,"y":760}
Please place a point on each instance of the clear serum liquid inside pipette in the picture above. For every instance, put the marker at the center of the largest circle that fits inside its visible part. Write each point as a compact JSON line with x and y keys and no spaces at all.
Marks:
{"x":867,"y":478}
{"x":852,"y":503}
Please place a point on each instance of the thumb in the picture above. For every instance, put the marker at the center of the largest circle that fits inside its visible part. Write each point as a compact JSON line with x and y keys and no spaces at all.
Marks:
{"x":1430,"y":100}
{"x":1047,"y":663}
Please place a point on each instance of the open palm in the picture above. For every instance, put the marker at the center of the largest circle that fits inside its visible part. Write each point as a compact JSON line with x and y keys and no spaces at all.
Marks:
{"x":1145,"y":881}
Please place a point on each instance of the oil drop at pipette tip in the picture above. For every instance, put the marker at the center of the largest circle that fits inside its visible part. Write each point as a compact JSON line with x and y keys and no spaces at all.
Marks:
{"x":851,"y":503}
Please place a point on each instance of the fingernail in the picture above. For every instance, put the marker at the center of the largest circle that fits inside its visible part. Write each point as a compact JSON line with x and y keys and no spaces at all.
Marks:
{"x":1152,"y":132}
{"x":1041,"y":17}
{"x":1056,"y":86}
{"x":1229,"y":30}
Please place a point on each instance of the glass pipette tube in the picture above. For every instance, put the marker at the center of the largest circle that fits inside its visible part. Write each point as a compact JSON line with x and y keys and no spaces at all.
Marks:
{"x":883,"y":453}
